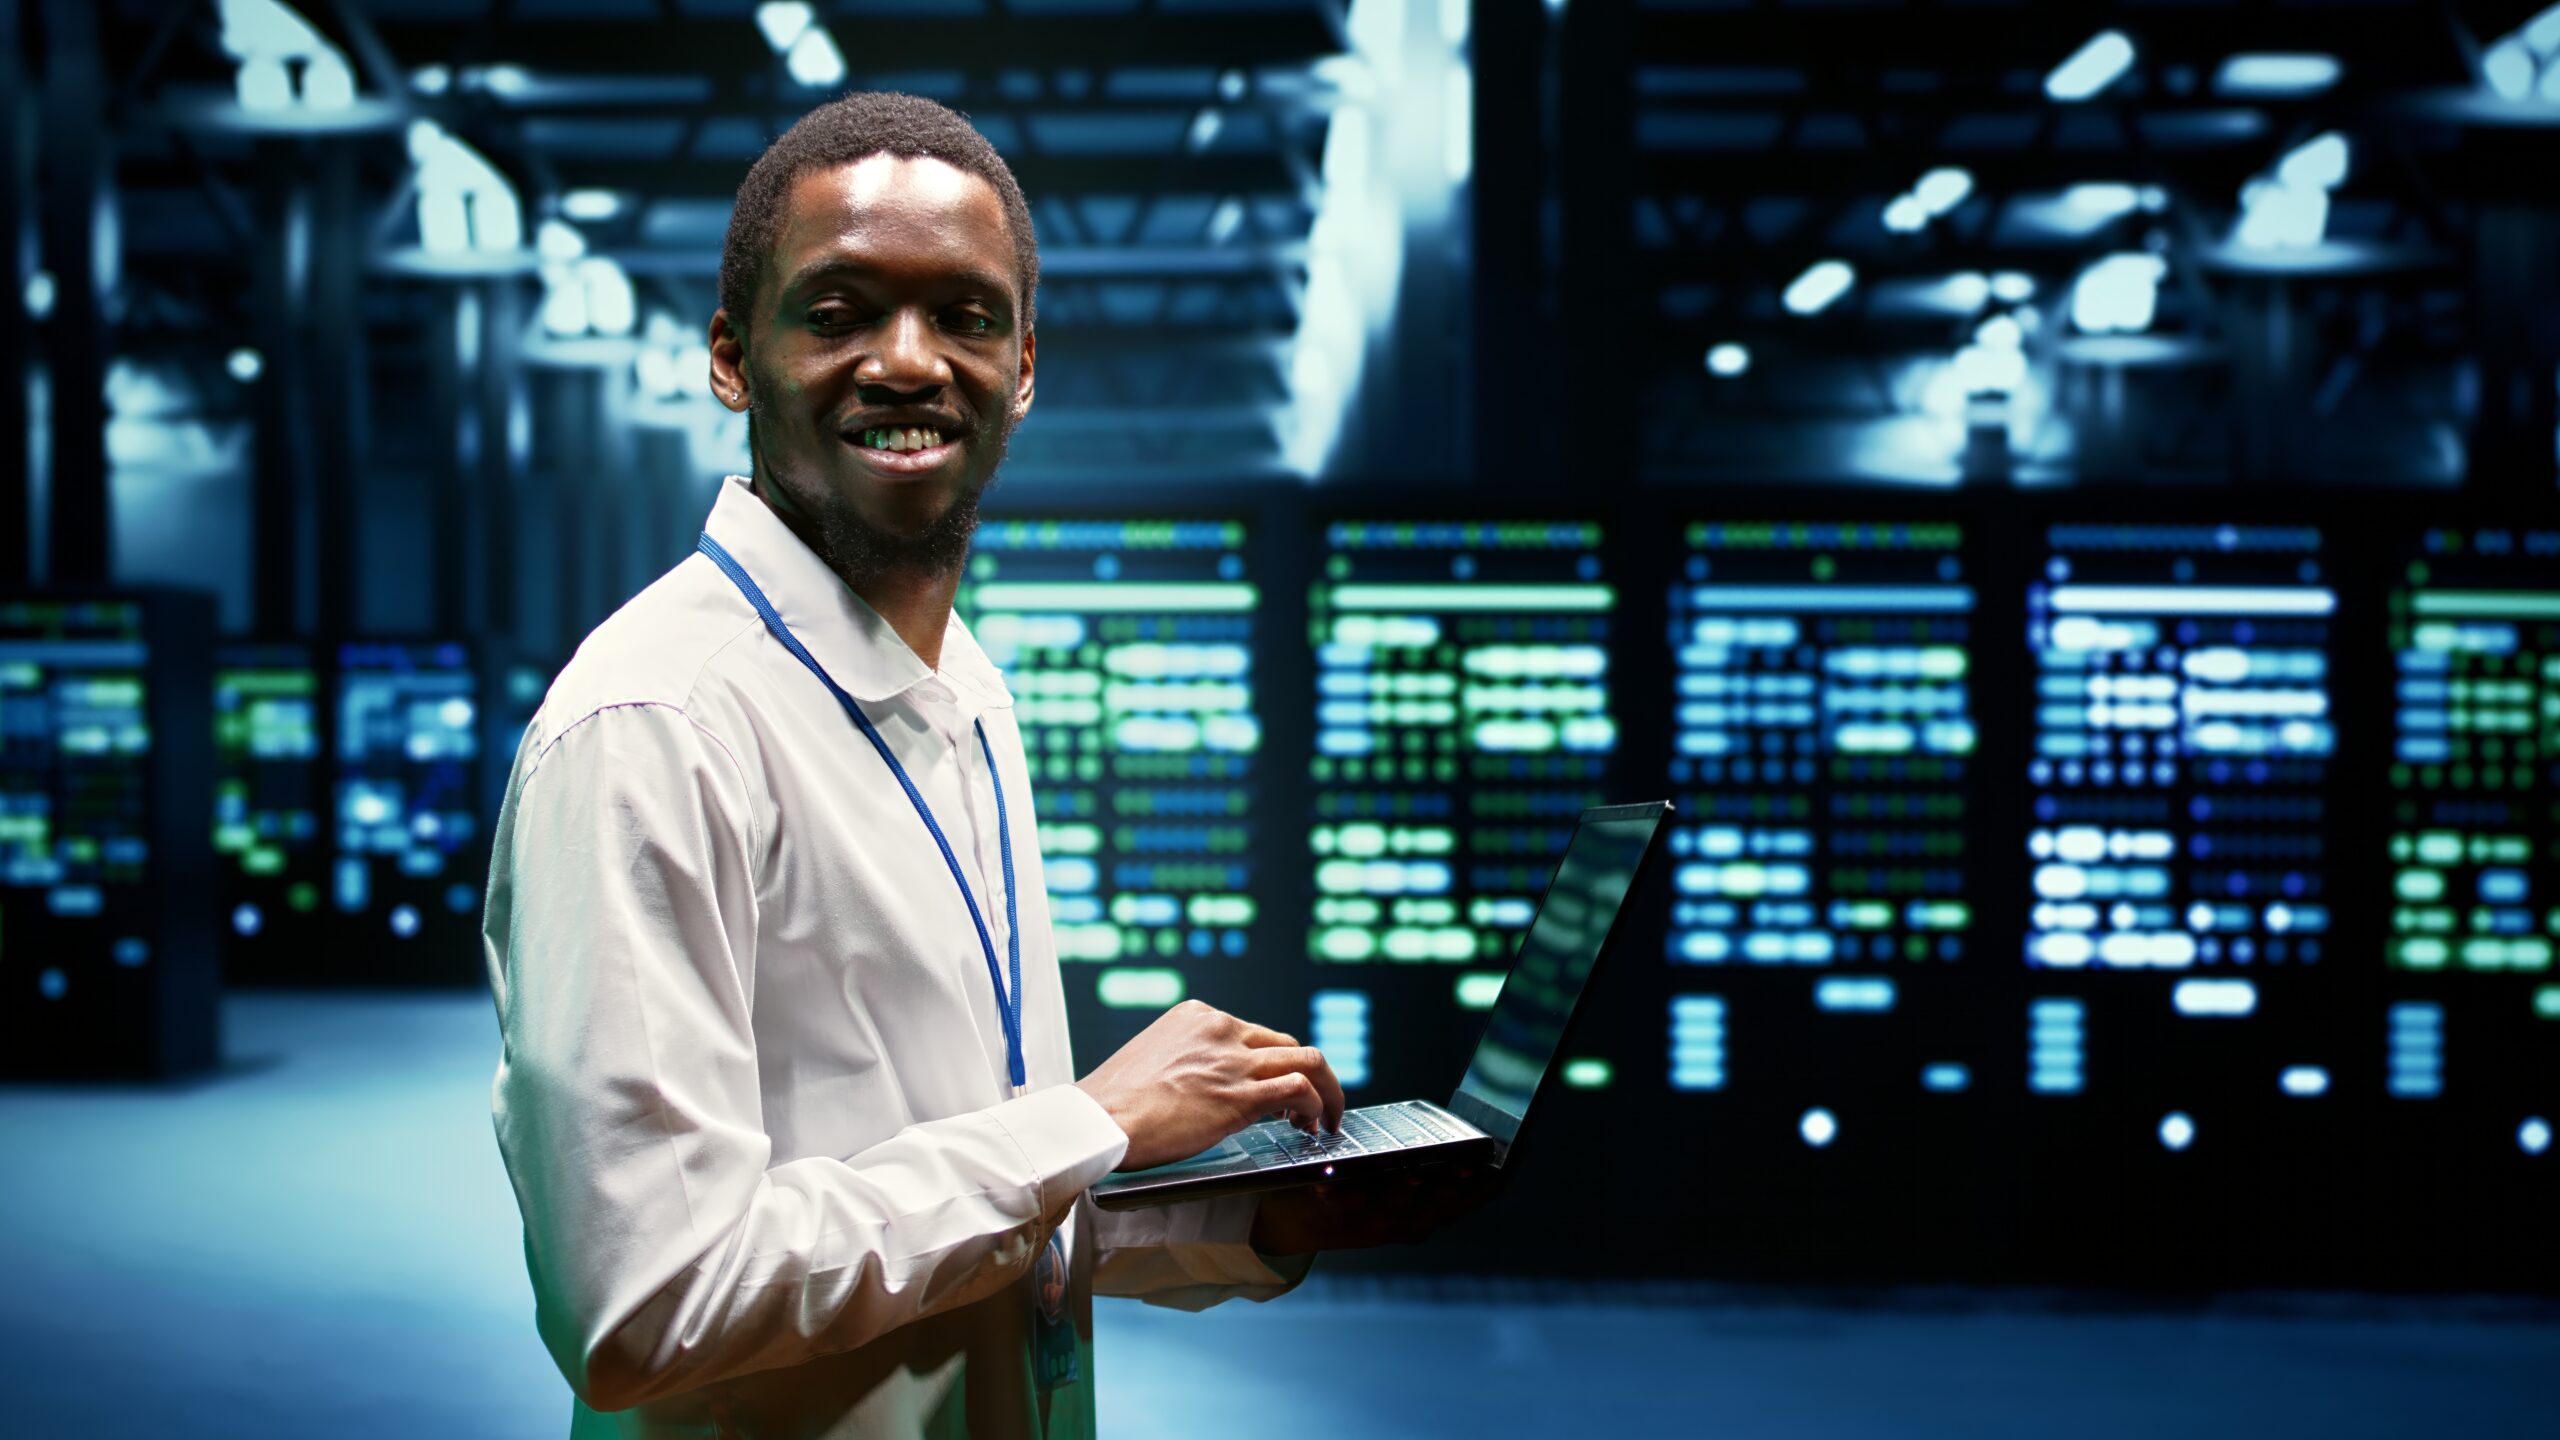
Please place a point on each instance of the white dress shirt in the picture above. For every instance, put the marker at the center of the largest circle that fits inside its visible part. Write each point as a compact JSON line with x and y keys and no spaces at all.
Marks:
{"x":753,"y":1097}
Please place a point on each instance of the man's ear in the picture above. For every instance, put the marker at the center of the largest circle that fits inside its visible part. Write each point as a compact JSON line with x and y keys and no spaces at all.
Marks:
{"x":728,"y":363}
{"x":1022,"y":381}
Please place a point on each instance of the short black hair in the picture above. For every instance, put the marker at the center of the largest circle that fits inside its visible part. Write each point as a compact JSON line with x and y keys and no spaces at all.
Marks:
{"x":862,"y":124}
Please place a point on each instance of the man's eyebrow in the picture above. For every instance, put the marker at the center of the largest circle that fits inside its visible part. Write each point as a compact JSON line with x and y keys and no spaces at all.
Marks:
{"x":835,"y":267}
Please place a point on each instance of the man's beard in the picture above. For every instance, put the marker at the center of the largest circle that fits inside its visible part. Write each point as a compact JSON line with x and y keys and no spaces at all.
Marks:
{"x":859,"y":551}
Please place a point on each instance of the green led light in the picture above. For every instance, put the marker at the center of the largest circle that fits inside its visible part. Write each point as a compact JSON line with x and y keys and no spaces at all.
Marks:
{"x":2501,"y":604}
{"x":1070,"y":839}
{"x":1587,"y":1074}
{"x":1113,"y":597}
{"x":2546,"y":1002}
{"x":1221,"y":909}
{"x":1345,"y":944}
{"x":1087,"y":942}
{"x":2421,"y":953}
{"x":1058,"y":713}
{"x":1418,"y":943}
{"x":2485,"y":953}
{"x":1140,"y":989}
{"x":2420,"y":885}
{"x":1580,"y":599}
{"x":1168,"y":696}
{"x":1478,"y":989}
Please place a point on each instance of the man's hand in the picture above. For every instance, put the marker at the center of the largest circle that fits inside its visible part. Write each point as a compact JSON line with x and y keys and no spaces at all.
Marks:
{"x":1356,"y":1214}
{"x":1199,"y":1075}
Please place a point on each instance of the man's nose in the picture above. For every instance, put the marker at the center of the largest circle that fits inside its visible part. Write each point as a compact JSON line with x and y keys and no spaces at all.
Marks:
{"x":907,"y":360}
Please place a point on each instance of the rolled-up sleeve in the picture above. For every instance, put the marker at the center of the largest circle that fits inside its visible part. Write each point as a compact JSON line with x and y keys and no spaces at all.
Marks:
{"x":667,"y":1250}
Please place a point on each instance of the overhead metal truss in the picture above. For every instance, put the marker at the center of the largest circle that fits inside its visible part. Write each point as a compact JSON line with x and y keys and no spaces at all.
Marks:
{"x":1170,"y":152}
{"x":1761,"y":137}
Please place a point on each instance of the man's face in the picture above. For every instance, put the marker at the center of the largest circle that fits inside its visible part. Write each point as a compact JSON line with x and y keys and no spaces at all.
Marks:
{"x":885,"y":362}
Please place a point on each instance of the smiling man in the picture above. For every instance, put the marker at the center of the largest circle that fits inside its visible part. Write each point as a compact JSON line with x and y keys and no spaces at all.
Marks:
{"x":786,"y":1093}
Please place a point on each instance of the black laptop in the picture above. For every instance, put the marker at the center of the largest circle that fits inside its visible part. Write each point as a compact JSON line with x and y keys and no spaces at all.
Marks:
{"x":1526,"y":1032}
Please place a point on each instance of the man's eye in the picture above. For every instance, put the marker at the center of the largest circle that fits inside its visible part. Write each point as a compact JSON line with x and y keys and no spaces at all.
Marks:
{"x":977,"y":322}
{"x":832,"y":317}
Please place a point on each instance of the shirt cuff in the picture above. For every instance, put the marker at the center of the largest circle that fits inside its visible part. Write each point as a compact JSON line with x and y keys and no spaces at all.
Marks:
{"x":1066,"y":1135}
{"x":1212,"y":1240}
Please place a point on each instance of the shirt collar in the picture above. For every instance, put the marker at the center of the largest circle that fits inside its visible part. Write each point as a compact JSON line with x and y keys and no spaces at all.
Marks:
{"x":859,"y":649}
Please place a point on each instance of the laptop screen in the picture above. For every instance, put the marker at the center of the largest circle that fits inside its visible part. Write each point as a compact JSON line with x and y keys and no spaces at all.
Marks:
{"x":1556,"y":957}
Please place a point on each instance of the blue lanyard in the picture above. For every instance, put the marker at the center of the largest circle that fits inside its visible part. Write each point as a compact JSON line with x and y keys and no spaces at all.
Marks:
{"x":1008,"y":1006}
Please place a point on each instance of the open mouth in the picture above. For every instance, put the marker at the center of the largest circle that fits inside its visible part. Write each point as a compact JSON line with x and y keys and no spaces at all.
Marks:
{"x":904,"y":449}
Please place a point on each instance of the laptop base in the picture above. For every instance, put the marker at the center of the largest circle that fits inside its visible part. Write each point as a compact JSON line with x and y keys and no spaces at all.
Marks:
{"x":1374,"y":1140}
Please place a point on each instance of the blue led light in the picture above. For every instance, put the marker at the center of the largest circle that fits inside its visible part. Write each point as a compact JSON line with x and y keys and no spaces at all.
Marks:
{"x":2056,"y":1037}
{"x":2415,"y":1060}
{"x":1697,"y":1042}
{"x":1340,"y":1028}
{"x":1864,"y":995}
{"x":1823,"y":737}
{"x":2182,"y":741}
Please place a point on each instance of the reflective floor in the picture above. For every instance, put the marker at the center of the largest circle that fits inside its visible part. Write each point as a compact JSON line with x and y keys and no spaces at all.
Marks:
{"x":319,"y":1242}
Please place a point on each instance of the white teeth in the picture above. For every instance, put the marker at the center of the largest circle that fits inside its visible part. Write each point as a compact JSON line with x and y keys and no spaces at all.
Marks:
{"x":900,"y":439}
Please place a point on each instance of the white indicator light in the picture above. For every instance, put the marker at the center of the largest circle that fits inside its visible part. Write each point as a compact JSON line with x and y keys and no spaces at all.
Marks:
{"x":1819,"y":1127}
{"x":2304,"y":1081}
{"x":2177,"y":1132}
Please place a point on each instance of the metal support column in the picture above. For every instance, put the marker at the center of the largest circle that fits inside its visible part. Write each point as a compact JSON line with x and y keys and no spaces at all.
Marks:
{"x":1592,"y":169}
{"x":2518,"y":309}
{"x":454,"y":348}
{"x":16,"y":335}
{"x":338,"y":387}
{"x":1514,"y":282}
{"x":494,"y":506}
{"x":279,"y":286}
{"x":2268,"y":392}
{"x":72,"y":230}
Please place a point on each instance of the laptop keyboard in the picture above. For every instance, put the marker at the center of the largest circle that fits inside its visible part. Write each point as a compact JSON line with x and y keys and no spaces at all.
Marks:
{"x":1365,"y":1131}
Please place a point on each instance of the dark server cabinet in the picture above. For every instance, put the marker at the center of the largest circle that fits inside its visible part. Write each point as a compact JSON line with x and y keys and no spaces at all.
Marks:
{"x":106,"y":879}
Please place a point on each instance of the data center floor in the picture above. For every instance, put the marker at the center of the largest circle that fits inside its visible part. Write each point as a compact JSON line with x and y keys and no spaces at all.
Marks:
{"x":319,"y":1242}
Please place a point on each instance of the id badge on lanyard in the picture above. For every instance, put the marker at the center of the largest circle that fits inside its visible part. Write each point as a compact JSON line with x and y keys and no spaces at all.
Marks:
{"x":1008,"y":999}
{"x":1053,"y":1327}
